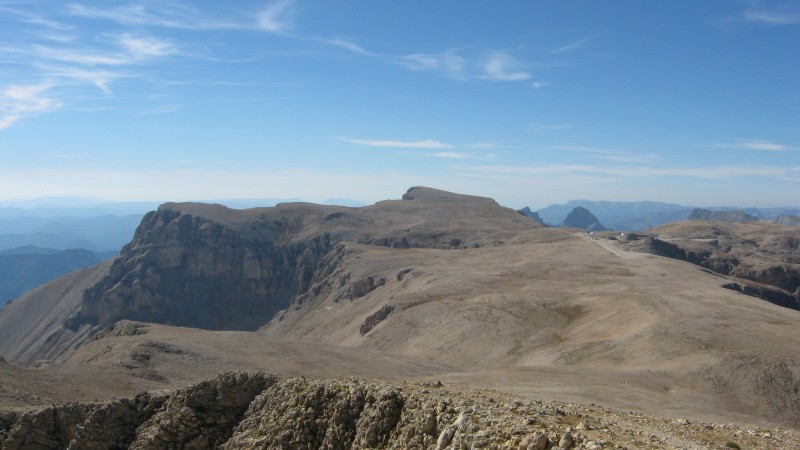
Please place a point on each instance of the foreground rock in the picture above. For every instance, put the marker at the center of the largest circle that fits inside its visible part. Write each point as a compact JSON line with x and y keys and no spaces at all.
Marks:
{"x":254,"y":411}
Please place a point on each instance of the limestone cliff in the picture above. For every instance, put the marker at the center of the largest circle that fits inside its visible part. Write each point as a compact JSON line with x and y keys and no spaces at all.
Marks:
{"x":181,"y":269}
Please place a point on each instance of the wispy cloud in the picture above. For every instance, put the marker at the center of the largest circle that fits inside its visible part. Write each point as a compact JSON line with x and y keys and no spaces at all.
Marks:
{"x":450,"y":63}
{"x":780,"y":14}
{"x":98,"y":77}
{"x":139,"y":46}
{"x":450,"y":155}
{"x":460,"y":155}
{"x":347,"y":45}
{"x":495,"y":65}
{"x":19,"y":102}
{"x":500,"y":66}
{"x":706,"y":173}
{"x":753,"y":144}
{"x":428,"y":143}
{"x":159,"y":14}
{"x":485,"y":145}
{"x":276,"y":17}
{"x":543,"y":127}
{"x":572,"y":46}
{"x":36,"y":19}
{"x":613,"y":155}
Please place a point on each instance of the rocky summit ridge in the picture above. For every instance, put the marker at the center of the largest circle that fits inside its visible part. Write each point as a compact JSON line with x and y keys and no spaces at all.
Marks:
{"x":254,"y":411}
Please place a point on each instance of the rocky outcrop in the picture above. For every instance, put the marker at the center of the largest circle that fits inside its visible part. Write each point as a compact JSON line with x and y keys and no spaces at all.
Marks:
{"x":202,"y":416}
{"x":582,"y":218}
{"x":374,"y":319}
{"x":364,"y":286}
{"x":721,"y":216}
{"x":256,"y":411}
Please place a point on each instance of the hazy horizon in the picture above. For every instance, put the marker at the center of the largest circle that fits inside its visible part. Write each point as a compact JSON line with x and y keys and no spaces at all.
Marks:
{"x":531,"y":104}
{"x":90,"y":203}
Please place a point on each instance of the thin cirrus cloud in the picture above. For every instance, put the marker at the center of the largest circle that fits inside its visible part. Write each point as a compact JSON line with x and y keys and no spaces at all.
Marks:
{"x":129,"y":49}
{"x":499,"y":66}
{"x":613,"y":155}
{"x":495,"y":66}
{"x":24,"y":100}
{"x":705,"y":173}
{"x":460,"y":155}
{"x":20,"y":102}
{"x":276,"y":17}
{"x":425,"y":144}
{"x":544,"y":127}
{"x":572,"y":46}
{"x":753,"y":144}
{"x":158,"y":14}
{"x":449,"y":64}
{"x":146,"y":46}
{"x":785,"y":14}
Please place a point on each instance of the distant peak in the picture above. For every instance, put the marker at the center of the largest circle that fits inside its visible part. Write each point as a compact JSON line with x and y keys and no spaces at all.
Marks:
{"x":582,"y":218}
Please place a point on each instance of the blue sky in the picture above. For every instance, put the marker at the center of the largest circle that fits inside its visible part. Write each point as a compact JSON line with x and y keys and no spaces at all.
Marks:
{"x":528,"y":102}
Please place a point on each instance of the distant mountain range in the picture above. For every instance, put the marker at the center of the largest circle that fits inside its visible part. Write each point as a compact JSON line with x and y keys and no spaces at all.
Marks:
{"x":25,"y":268}
{"x":72,"y":222}
{"x":96,"y":233}
{"x":644,"y":215}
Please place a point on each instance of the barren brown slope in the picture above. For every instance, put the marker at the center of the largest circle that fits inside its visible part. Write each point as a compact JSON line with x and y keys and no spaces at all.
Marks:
{"x":129,"y":357}
{"x":33,"y":328}
{"x":558,"y":304}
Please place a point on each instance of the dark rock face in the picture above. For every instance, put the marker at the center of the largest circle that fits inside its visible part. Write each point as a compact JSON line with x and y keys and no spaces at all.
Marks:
{"x":188,"y":271}
{"x":582,"y":218}
{"x":721,"y":216}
